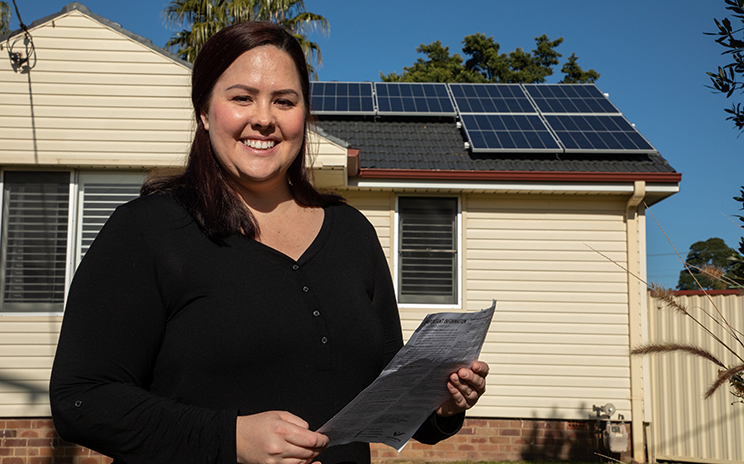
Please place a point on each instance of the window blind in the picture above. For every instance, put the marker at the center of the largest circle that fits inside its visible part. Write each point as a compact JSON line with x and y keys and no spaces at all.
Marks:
{"x":99,"y":200}
{"x":34,"y":240}
{"x":427,"y":250}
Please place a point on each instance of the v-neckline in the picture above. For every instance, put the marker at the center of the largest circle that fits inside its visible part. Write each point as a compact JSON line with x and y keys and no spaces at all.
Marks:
{"x":306,"y":255}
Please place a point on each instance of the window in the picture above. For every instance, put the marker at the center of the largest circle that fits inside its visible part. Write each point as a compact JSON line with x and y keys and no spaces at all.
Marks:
{"x":46,"y":231}
{"x":34,"y":240}
{"x":428,"y":261}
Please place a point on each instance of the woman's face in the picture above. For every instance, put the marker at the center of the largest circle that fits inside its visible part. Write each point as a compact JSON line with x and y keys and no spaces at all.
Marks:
{"x":256,"y":118}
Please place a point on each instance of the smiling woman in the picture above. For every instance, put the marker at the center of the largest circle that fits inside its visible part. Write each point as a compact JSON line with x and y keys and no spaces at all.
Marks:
{"x":233,"y":309}
{"x":246,"y":72}
{"x":256,"y":120}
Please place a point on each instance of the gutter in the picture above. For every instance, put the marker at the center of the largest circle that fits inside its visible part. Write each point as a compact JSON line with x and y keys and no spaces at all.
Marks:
{"x":530,"y":176}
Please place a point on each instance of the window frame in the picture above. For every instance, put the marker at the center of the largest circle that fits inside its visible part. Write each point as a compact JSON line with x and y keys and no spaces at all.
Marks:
{"x":458,"y":266}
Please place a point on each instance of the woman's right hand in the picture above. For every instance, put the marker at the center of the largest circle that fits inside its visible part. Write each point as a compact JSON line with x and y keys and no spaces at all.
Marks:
{"x":277,"y":437}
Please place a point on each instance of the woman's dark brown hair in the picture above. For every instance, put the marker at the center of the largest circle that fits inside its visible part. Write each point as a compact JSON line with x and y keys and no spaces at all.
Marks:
{"x":203,"y":189}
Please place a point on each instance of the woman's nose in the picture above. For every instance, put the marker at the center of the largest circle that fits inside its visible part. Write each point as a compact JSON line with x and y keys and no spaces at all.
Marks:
{"x":263,"y":117}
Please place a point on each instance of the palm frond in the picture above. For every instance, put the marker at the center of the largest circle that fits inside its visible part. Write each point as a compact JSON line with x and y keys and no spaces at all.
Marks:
{"x":200,"y":19}
{"x":4,"y":18}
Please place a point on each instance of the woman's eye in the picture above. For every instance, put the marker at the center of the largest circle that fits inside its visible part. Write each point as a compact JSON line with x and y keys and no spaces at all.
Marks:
{"x":283,"y":102}
{"x":242,"y":98}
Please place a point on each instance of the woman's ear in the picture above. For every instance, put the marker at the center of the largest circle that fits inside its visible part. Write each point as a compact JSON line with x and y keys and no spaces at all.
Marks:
{"x":204,"y":119}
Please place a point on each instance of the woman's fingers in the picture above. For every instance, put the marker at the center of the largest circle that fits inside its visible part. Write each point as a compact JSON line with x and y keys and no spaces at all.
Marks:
{"x":278,"y":437}
{"x":466,"y":386}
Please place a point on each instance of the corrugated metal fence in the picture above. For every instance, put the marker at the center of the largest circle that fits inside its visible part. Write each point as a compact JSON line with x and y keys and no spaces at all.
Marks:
{"x":685,"y":426}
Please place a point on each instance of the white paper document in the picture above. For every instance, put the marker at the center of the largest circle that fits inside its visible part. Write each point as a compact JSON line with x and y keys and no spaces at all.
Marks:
{"x":414,"y":384}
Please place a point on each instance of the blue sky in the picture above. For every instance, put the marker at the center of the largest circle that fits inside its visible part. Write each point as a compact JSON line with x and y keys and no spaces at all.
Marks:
{"x":652,"y":56}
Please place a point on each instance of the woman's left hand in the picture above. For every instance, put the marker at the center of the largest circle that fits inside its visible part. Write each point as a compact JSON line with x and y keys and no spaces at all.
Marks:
{"x":465,"y":386}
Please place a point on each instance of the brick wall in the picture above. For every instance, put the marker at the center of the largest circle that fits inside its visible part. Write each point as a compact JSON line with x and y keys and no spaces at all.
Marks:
{"x":503,"y":440}
{"x":34,"y":441}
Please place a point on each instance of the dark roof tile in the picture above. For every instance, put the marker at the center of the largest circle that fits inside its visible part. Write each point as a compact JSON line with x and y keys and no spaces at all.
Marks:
{"x":417,"y":143}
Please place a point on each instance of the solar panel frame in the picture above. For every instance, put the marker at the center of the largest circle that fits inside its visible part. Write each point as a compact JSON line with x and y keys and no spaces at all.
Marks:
{"x":492,"y":132}
{"x":595,"y":133}
{"x":413,"y":98}
{"x":569,"y":98}
{"x":491,"y":98}
{"x":349,"y":98}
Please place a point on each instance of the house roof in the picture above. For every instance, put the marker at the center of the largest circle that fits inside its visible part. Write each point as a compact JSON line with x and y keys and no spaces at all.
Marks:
{"x":107,"y":22}
{"x":434,"y":148}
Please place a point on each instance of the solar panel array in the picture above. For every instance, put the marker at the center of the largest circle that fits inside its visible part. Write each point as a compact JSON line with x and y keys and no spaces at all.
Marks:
{"x":548,"y":118}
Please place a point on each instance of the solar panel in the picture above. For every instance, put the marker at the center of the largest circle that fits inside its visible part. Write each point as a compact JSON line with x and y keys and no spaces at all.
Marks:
{"x":430,"y":99}
{"x":569,"y":98}
{"x":594,"y":133}
{"x":491,"y":98}
{"x":508,"y":132}
{"x":341,"y":98}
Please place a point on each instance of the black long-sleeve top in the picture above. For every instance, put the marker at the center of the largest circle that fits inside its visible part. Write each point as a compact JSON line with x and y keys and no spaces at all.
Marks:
{"x":168,"y":336}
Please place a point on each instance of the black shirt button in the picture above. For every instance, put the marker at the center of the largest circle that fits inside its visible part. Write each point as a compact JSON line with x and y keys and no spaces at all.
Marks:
{"x":305,"y":289}
{"x":295,"y":267}
{"x":316,"y":313}
{"x":324,"y":340}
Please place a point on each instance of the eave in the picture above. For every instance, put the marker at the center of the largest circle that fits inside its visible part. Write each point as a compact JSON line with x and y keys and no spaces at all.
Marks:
{"x":658,"y":186}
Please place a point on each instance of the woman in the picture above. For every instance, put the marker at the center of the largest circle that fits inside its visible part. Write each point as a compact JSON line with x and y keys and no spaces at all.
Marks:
{"x":232,"y":310}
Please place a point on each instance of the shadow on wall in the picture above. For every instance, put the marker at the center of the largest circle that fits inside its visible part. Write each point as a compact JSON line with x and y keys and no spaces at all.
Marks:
{"x":559,"y":439}
{"x":35,"y":394}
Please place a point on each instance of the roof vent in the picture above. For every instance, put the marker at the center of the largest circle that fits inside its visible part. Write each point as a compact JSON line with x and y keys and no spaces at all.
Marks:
{"x":467,"y":145}
{"x":458,"y":124}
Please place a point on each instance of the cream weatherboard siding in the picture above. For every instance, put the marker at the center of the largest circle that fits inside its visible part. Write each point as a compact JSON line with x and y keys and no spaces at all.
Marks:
{"x":559,"y":340}
{"x":27,"y":346}
{"x":558,"y":344}
{"x":94,"y":97}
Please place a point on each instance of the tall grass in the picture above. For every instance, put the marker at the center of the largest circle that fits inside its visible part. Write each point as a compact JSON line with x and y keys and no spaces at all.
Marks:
{"x":730,"y":372}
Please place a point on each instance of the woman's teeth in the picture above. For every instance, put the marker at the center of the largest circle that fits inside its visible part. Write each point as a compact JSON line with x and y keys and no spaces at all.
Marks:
{"x":259,"y":144}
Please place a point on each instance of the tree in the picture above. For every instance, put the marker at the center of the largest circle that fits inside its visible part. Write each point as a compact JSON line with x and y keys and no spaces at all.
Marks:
{"x":574,"y":73}
{"x":439,"y":67}
{"x":738,"y":267}
{"x":202,"y":18}
{"x":4,"y":18}
{"x":711,"y":262}
{"x":729,"y":78}
{"x":486,"y":64}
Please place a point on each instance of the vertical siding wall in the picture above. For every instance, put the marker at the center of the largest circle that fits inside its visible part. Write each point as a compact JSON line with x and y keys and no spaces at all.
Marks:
{"x":684,"y":425}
